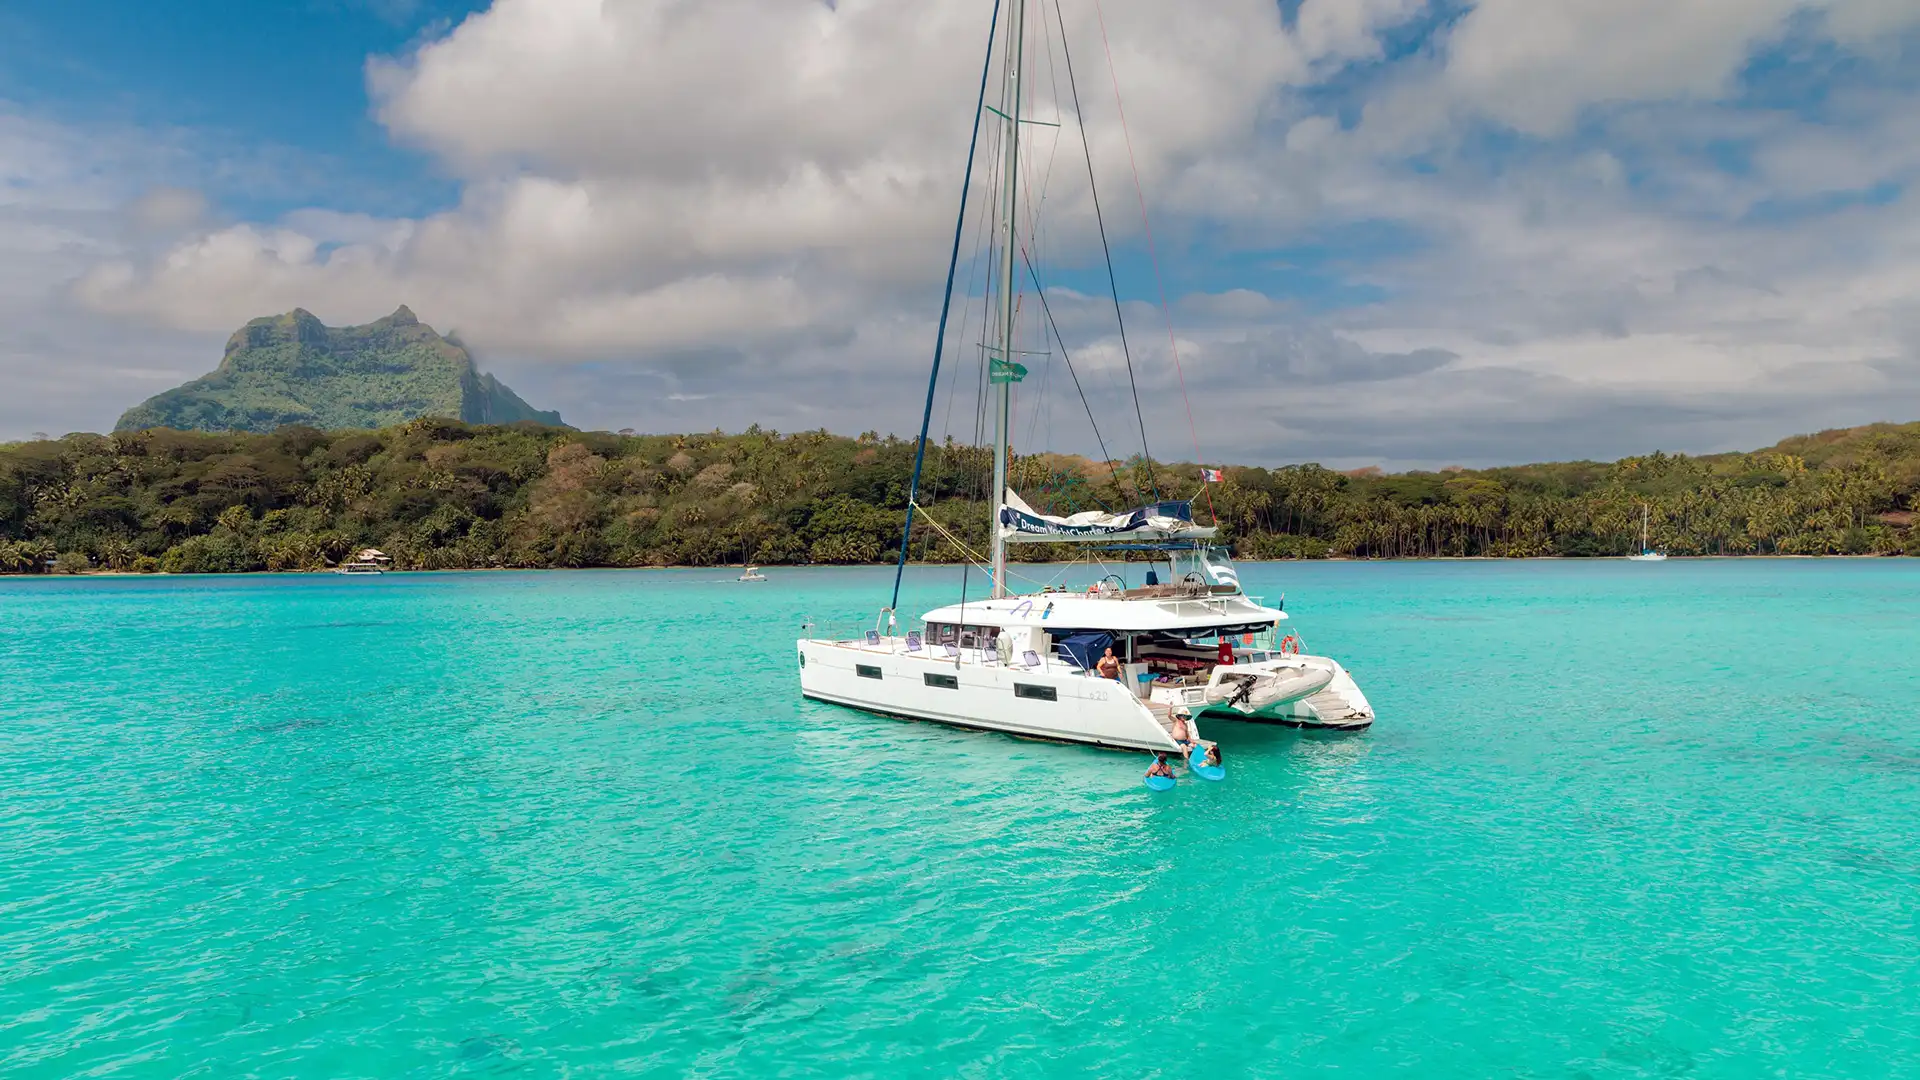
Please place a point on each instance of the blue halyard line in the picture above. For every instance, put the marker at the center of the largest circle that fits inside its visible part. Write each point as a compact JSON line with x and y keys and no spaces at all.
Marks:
{"x":946,"y":305}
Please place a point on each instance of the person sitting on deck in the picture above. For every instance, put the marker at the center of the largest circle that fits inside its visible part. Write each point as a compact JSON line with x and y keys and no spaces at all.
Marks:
{"x":1159,"y":766}
{"x":1182,"y":731}
{"x":1109,"y":666}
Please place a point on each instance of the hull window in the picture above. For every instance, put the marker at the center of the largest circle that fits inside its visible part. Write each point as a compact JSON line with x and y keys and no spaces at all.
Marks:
{"x":866,"y":671}
{"x":944,"y":682}
{"x":1036,"y":693}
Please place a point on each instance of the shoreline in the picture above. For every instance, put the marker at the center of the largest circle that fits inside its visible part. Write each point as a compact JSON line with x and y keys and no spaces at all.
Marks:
{"x":853,"y":566}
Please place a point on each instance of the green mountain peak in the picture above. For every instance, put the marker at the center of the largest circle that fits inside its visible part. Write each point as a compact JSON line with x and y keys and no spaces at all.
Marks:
{"x":294,"y":369}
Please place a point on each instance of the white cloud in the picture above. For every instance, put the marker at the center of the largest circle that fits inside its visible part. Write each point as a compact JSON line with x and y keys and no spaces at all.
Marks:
{"x":165,"y":210}
{"x":741,"y":206}
{"x":770,"y":159}
{"x":1871,"y":23}
{"x":1340,"y":30}
{"x":61,"y":198}
{"x":1534,"y":65}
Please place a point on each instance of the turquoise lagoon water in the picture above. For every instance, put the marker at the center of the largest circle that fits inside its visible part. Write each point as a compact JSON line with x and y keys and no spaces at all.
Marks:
{"x":1615,"y":820}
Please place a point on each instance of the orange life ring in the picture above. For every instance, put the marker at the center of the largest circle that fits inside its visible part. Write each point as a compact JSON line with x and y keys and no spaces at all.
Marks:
{"x":1290,"y":645}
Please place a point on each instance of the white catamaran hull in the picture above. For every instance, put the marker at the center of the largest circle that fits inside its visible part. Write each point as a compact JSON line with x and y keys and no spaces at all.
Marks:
{"x":1052,"y":701}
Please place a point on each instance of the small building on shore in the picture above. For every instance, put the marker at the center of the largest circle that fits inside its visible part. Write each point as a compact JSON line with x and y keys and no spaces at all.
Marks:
{"x":368,"y":561}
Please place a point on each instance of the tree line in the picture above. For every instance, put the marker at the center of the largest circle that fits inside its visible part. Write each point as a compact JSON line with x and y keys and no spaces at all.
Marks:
{"x":439,"y":494}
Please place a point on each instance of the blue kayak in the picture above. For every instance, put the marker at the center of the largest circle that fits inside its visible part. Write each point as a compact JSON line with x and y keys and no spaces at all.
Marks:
{"x":1160,"y":783}
{"x":1198,"y":763}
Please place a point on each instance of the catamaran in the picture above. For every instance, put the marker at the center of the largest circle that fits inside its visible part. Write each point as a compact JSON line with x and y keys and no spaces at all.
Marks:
{"x":1031,"y":664}
{"x":1647,"y":554}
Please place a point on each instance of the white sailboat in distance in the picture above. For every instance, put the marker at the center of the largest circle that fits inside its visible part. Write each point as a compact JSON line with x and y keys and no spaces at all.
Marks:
{"x":1647,"y":554}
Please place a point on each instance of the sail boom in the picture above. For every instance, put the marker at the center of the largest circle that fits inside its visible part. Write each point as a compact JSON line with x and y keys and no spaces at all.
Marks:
{"x":1021,"y":524}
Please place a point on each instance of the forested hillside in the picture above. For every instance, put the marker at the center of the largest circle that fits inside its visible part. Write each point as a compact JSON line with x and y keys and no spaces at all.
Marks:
{"x":438,"y":493}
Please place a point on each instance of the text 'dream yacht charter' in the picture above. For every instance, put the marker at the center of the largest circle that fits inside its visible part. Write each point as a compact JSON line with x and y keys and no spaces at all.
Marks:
{"x":1029,"y":664}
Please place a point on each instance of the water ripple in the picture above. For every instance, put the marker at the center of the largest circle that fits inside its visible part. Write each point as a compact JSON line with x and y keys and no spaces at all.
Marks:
{"x":522,"y":824}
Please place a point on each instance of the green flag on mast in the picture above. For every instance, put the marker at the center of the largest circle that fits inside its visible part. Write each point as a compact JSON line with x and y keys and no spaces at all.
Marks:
{"x":1005,"y":371}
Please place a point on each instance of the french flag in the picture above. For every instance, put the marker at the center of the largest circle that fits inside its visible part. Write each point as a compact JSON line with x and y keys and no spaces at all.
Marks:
{"x":1213,"y":476}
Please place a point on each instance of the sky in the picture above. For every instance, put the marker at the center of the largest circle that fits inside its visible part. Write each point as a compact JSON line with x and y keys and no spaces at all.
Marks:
{"x":1411,"y":233}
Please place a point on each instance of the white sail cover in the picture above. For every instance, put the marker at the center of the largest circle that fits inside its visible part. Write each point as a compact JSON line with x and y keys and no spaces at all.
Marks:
{"x":1021,"y":524}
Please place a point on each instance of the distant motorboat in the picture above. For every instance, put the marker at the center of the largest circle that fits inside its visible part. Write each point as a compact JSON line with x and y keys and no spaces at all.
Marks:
{"x":1647,"y":554}
{"x":752,"y":574}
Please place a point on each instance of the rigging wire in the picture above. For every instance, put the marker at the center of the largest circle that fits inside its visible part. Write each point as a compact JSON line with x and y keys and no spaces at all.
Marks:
{"x":970,"y":557}
{"x":946,"y":305}
{"x":970,"y":480}
{"x":1153,"y":256}
{"x":1113,"y":282}
{"x":976,"y":478}
{"x":966,"y":314}
{"x":1041,"y":408}
{"x":1076,"y":375}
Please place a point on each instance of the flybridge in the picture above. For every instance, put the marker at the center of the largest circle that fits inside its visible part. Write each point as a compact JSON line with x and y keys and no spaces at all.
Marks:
{"x":1020,"y":523}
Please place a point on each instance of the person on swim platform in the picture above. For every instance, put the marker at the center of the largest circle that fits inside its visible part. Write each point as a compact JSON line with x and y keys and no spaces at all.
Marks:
{"x":1160,"y":766}
{"x":1109,"y":665}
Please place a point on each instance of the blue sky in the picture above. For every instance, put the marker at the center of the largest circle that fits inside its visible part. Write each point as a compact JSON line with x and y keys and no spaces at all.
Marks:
{"x":285,"y":79}
{"x":1408,"y":232}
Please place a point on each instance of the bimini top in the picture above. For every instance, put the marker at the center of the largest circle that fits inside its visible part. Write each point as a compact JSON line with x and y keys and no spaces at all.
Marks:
{"x":1020,"y":524}
{"x":1187,"y":612}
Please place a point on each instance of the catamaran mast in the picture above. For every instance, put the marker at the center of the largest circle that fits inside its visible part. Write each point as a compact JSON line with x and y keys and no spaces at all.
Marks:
{"x":1002,"y":355}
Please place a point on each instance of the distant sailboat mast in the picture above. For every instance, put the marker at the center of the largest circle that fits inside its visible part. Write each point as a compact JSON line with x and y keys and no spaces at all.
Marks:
{"x":1647,"y":554}
{"x":1001,"y":357}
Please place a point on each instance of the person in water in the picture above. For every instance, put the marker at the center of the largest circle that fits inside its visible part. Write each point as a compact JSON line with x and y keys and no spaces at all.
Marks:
{"x":1182,"y":730}
{"x":1160,"y":766}
{"x":1109,"y":666}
